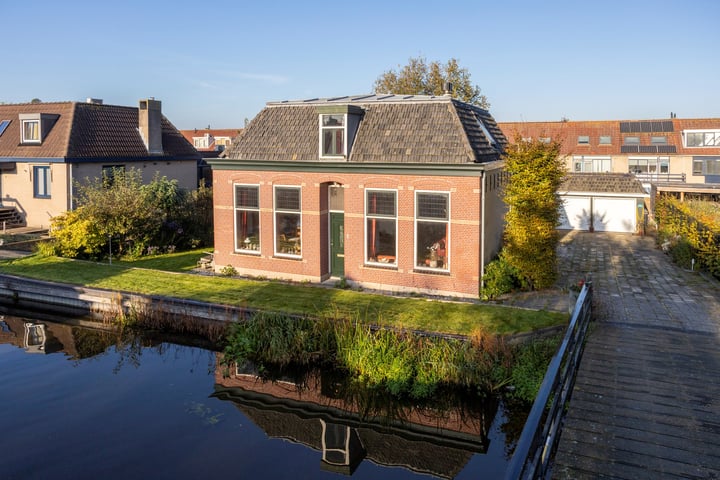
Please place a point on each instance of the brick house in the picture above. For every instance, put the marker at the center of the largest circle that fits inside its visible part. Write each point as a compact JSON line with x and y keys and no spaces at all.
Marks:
{"x":398,"y":193}
{"x":46,"y":148}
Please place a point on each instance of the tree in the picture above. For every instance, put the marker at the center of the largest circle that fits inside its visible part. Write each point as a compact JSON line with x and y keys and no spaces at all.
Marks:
{"x":139,"y":218}
{"x":420,"y":78}
{"x":536,"y":172}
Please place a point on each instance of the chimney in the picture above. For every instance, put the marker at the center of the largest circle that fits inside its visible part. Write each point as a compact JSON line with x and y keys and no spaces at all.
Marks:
{"x":150,"y":125}
{"x":448,"y":88}
{"x":94,"y":101}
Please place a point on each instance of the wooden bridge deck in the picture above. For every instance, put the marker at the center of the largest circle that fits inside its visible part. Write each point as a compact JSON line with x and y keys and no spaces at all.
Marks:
{"x":646,"y":403}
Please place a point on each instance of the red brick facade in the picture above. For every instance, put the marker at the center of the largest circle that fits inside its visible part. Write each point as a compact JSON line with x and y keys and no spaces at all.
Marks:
{"x":461,"y":278}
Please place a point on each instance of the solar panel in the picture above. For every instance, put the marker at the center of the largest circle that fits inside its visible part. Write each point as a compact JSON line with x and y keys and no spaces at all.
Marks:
{"x":624,"y":127}
{"x":3,"y":125}
{"x":668,"y":126}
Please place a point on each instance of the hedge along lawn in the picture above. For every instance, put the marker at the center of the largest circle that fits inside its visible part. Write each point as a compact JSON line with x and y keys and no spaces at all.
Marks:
{"x":406,"y":312}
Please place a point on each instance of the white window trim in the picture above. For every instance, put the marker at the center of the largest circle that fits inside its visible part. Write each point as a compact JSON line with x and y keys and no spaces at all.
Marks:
{"x":706,"y":130}
{"x":235,"y":225}
{"x":446,"y":265}
{"x":23,"y":122}
{"x":345,"y":135}
{"x":583,"y":140}
{"x":365,"y":236}
{"x":276,"y":211}
{"x":592,"y":159}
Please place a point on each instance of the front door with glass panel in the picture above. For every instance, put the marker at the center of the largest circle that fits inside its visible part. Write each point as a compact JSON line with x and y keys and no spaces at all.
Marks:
{"x":337,"y":230}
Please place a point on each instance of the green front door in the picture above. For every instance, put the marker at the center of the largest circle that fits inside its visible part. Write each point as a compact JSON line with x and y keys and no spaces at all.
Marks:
{"x":337,"y":244}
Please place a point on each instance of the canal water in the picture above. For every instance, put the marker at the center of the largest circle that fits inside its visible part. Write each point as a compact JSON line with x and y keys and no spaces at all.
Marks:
{"x":79,"y":403}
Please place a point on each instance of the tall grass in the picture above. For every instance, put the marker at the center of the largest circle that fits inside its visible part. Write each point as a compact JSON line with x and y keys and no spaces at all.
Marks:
{"x":399,"y":362}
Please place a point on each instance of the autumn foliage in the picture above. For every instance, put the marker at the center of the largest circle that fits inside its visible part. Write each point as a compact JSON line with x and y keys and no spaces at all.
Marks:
{"x":535,"y":175}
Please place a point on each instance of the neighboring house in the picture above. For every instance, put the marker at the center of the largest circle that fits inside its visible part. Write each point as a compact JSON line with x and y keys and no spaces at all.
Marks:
{"x":46,"y":148}
{"x":211,"y":142}
{"x":399,"y":193}
{"x":610,"y":202}
{"x":676,"y":154}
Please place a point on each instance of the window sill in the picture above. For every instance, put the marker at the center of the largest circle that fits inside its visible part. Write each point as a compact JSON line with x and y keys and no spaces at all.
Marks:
{"x":284,"y":256}
{"x":382,"y":266}
{"x":431,"y":271}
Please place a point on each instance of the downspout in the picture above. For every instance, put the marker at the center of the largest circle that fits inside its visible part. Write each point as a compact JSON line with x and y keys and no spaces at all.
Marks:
{"x":70,"y":187}
{"x":482,"y":228}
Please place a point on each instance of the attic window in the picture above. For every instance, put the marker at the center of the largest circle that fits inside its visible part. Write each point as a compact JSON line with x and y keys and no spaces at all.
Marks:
{"x":31,"y":131}
{"x":605,"y":139}
{"x":583,"y":140}
{"x":3,"y":125}
{"x":332,"y":135}
{"x":35,"y":127}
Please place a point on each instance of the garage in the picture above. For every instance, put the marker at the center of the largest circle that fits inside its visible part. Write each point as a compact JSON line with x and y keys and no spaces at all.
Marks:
{"x":603,"y":202}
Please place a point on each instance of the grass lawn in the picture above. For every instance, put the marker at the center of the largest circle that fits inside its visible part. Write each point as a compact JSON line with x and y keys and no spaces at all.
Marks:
{"x":169,"y":275}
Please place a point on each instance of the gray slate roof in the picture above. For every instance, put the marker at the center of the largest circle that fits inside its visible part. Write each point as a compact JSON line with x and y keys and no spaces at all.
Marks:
{"x":393,"y":129}
{"x":602,"y":183}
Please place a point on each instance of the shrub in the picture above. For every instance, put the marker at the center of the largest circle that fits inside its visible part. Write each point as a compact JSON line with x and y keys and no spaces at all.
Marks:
{"x":228,"y":271}
{"x":530,"y":367}
{"x":500,"y":277}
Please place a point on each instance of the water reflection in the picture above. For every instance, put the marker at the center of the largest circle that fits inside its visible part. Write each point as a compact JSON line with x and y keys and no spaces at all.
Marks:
{"x":184,"y":414}
{"x":348,"y":424}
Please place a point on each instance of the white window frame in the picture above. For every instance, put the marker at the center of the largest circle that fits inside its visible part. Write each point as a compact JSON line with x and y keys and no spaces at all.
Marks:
{"x":583,"y":140}
{"x":29,"y":121}
{"x":324,"y":128}
{"x":657,"y":162}
{"x":605,"y":137}
{"x":711,"y":138}
{"x":245,"y":246}
{"x":276,"y":211}
{"x":366,"y":217}
{"x":420,"y":262}
{"x":595,"y":164}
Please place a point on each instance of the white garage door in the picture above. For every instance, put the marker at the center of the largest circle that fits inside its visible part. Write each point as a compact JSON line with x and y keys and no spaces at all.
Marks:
{"x":614,"y":214}
{"x":610,"y":214}
{"x":575,"y":213}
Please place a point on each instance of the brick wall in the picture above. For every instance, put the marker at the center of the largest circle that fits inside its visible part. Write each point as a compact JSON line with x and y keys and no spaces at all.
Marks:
{"x":464,"y":250}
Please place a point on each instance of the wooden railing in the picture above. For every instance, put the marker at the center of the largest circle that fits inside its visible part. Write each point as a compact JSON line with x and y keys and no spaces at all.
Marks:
{"x":536,"y":446}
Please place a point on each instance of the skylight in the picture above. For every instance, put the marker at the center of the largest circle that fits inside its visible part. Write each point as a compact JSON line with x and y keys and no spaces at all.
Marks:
{"x":491,"y":140}
{"x":3,"y":125}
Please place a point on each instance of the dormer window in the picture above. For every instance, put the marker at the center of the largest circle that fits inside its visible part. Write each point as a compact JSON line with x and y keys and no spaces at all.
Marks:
{"x":34,"y":127}
{"x":31,"y":131}
{"x":338,"y":125}
{"x":332,"y":135}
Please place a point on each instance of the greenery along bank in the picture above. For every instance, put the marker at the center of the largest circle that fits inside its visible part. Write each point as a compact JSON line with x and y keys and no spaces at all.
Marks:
{"x":397,"y":362}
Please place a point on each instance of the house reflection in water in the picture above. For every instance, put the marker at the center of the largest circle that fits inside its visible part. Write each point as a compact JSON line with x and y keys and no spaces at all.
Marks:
{"x":35,"y":337}
{"x":320,"y":412}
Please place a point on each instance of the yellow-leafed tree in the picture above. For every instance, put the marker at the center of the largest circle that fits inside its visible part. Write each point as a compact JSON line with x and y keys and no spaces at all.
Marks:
{"x":535,"y":174}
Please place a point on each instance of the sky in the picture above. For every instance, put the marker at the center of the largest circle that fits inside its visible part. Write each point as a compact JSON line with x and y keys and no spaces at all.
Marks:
{"x":217,"y":63}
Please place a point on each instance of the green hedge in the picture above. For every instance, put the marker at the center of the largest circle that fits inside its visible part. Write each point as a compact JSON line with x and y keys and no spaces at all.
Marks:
{"x":690,"y":230}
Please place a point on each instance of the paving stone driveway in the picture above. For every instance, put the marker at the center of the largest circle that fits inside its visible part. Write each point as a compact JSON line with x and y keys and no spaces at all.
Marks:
{"x":646,"y":403}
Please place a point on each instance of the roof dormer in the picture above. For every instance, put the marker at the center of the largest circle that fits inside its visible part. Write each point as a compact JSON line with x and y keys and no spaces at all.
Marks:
{"x":35,"y":127}
{"x":338,"y":125}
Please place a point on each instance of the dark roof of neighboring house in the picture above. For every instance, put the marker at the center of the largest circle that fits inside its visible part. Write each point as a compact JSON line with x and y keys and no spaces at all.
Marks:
{"x":567,"y":132}
{"x":87,"y":131}
{"x":392,"y":129}
{"x":620,"y":183}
